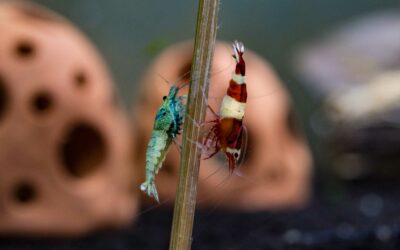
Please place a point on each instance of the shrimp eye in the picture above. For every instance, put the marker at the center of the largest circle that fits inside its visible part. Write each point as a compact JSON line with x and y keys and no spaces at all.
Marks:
{"x":164,"y":97}
{"x":236,"y":155}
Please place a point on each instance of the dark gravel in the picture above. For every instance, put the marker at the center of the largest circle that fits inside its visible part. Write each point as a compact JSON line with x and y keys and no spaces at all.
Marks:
{"x":366,"y":217}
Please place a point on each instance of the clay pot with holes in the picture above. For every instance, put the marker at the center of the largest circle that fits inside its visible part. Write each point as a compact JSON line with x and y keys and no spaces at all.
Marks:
{"x":64,"y":153}
{"x":277,"y":166}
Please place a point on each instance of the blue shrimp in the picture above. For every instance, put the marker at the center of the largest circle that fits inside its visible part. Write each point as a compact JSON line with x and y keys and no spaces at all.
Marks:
{"x":167,"y":126}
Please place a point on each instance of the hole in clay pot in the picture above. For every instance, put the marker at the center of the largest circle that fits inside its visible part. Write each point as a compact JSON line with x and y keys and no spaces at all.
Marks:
{"x":83,"y":150}
{"x":184,"y":73}
{"x":42,"y":103}
{"x":25,"y":192}
{"x":3,"y":98}
{"x":24,"y":49}
{"x":168,"y":169}
{"x":80,"y":79}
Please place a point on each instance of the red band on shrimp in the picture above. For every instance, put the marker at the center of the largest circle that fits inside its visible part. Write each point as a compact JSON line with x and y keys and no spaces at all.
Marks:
{"x":240,"y":66}
{"x":237,"y":91}
{"x":228,"y":131}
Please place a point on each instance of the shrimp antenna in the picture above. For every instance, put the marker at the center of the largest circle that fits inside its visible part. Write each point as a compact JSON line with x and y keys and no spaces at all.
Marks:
{"x":183,"y":85}
{"x":165,"y":80}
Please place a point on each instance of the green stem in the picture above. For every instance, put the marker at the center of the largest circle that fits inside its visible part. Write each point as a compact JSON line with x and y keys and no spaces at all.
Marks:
{"x":185,"y":201}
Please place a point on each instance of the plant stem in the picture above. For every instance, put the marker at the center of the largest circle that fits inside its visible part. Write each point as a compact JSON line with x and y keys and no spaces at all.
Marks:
{"x":185,"y":202}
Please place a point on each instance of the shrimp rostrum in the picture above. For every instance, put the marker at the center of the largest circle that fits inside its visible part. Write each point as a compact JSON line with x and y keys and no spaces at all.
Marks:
{"x":167,"y":126}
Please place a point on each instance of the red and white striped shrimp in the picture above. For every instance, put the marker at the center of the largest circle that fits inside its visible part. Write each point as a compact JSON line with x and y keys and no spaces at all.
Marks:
{"x":228,"y":133}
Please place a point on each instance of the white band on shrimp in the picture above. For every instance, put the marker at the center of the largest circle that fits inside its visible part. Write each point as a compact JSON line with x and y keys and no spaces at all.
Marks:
{"x":234,"y":151}
{"x":230,"y":108}
{"x":238,"y":78}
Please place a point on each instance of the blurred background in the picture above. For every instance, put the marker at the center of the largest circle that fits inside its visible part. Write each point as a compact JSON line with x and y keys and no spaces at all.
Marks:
{"x":332,"y":56}
{"x":130,"y":34}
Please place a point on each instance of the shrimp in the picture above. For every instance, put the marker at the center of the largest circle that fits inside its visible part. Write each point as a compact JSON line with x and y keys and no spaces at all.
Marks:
{"x":228,"y":133}
{"x":167,"y":126}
